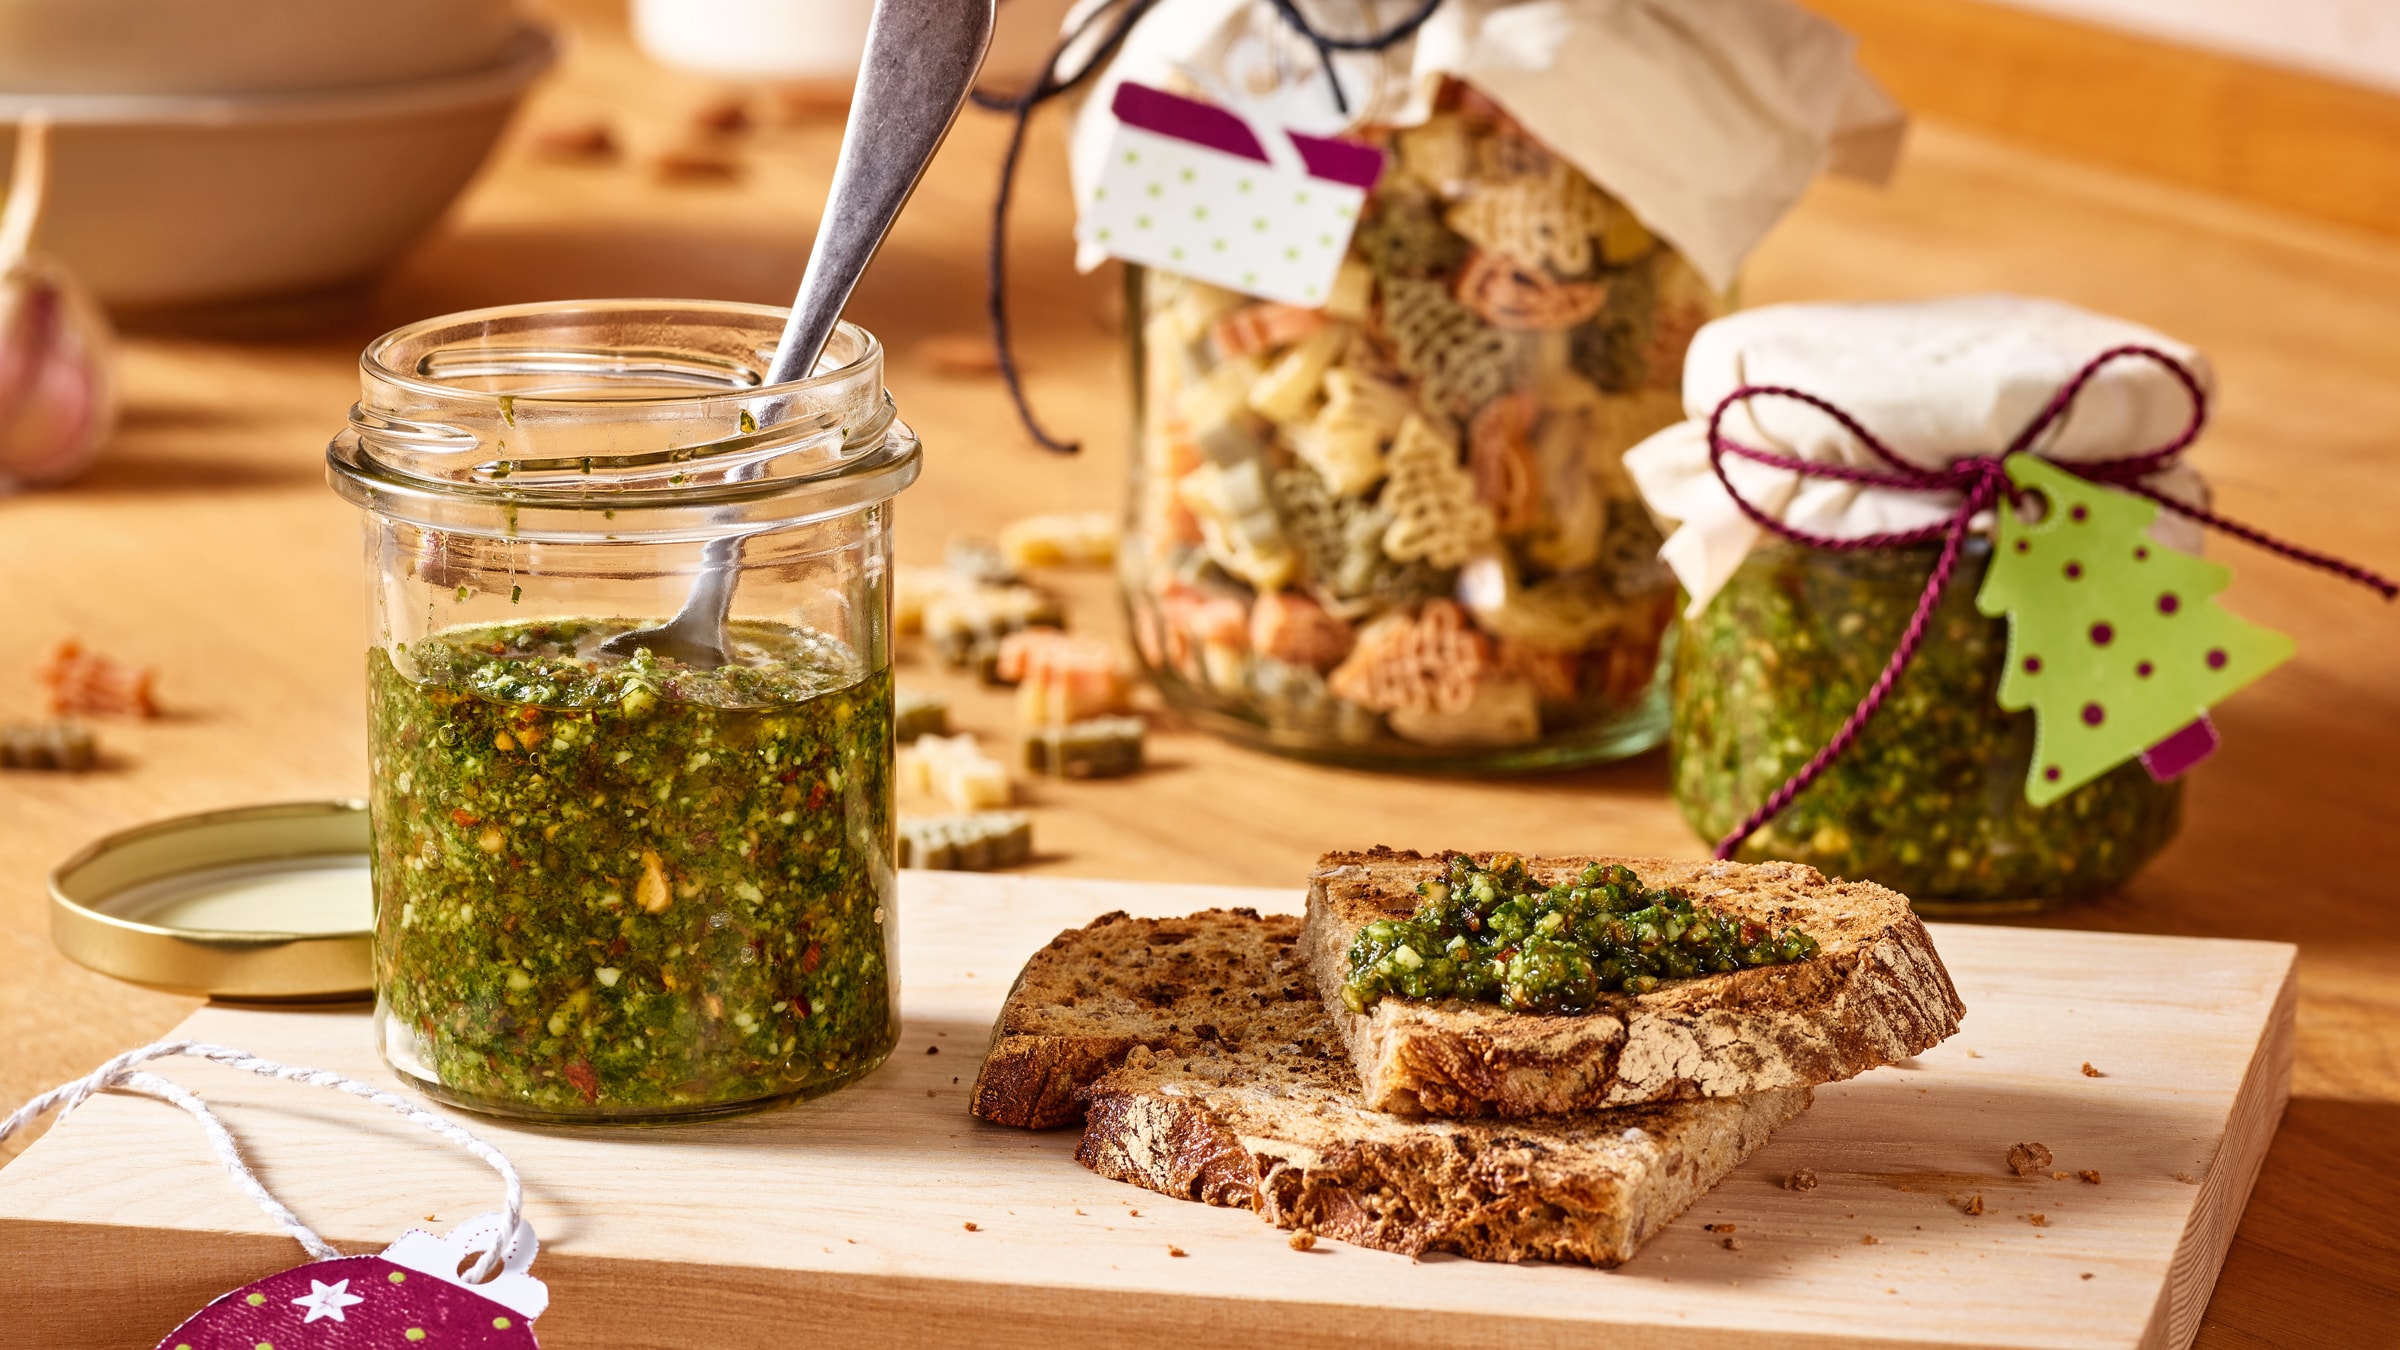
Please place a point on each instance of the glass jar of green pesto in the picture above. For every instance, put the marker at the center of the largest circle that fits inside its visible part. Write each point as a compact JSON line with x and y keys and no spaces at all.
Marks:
{"x":1930,"y":801}
{"x":617,"y":877}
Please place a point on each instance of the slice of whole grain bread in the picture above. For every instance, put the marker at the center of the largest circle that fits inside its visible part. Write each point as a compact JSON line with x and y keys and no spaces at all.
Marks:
{"x":1874,"y":994}
{"x":1203,"y":984}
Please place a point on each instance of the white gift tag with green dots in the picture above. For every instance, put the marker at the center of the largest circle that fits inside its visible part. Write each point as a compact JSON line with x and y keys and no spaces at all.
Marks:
{"x":1195,"y":189}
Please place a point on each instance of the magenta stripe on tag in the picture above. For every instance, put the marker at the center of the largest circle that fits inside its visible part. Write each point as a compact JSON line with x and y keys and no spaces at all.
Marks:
{"x":1340,"y":161}
{"x":1189,"y":119}
{"x":1185,"y":119}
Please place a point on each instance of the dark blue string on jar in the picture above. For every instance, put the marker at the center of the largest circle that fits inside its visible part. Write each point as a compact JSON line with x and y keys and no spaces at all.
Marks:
{"x":1113,"y":21}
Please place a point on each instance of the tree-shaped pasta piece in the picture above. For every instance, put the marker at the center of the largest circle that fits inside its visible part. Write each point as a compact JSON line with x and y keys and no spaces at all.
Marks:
{"x":2114,"y":640}
{"x":1435,"y":514}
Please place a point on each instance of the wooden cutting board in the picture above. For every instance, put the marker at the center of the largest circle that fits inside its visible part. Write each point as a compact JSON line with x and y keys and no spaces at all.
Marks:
{"x":885,"y":1216}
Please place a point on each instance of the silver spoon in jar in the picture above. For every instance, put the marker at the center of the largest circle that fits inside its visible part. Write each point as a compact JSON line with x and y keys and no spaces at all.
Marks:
{"x":920,"y":61}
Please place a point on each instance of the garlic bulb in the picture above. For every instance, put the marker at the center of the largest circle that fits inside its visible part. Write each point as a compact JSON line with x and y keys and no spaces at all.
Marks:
{"x":57,"y":401}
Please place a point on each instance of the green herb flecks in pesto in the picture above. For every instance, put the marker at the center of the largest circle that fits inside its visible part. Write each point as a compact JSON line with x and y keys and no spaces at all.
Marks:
{"x":1930,"y":801}
{"x":629,"y":887}
{"x":1494,"y":934}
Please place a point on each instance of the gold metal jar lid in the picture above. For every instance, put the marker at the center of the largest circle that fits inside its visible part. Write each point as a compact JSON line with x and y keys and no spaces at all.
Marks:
{"x":258,"y":902}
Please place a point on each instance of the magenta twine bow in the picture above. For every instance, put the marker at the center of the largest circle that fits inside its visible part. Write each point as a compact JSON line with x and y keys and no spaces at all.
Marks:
{"x":1981,"y":482}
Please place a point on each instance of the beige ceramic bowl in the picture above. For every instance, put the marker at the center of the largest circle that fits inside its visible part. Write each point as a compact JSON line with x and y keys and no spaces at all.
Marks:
{"x":242,"y":46}
{"x":179,"y":200}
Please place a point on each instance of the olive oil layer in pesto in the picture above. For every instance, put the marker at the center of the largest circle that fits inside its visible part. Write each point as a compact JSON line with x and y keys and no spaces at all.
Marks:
{"x":1493,"y":934}
{"x":1930,"y":800}
{"x":630,"y":888}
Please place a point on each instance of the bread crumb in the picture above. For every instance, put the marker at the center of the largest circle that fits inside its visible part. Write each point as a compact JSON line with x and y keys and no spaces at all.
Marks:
{"x":1718,"y":1227}
{"x":1974,"y":1203}
{"x":1730,"y":1244}
{"x":2087,"y":1274}
{"x":1805,"y":1179}
{"x":933,"y":1049}
{"x":2038,"y":1220}
{"x":1870,"y":1240}
{"x":2027,"y":1159}
{"x":587,"y":142}
{"x":2090,"y":1072}
{"x":1173,"y":1250}
{"x":1974,"y":1055}
{"x":2187,"y":1178}
{"x":695,"y":164}
{"x":1134,"y":1212}
{"x":2058,"y":1176}
{"x":1303,"y":1239}
{"x":1080,"y":1212}
{"x":728,"y":115}
{"x":2090,"y":1176}
{"x":852,"y":1241}
{"x":973,"y":1227}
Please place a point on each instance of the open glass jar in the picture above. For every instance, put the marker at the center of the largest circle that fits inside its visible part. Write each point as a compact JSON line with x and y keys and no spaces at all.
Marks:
{"x":627,"y":887}
{"x":1396,"y":531}
{"x":1930,"y":801}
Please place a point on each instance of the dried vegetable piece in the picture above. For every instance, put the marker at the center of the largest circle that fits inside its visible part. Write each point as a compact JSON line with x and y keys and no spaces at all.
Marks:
{"x":1297,"y":631}
{"x":1500,"y":458}
{"x":1345,"y":441}
{"x":975,"y":842}
{"x":48,"y":745}
{"x":1432,"y":502}
{"x":1061,"y":677}
{"x":1238,"y":524}
{"x":916,"y":713}
{"x":1063,"y":539}
{"x":953,"y":769}
{"x":966,"y":626}
{"x":978,"y":560}
{"x":1508,"y":294}
{"x":1099,"y":747}
{"x":1429,"y":662}
{"x":76,"y":681}
{"x":1548,"y":221}
{"x":1463,"y":363}
{"x":1502,"y":712}
{"x":1262,"y":326}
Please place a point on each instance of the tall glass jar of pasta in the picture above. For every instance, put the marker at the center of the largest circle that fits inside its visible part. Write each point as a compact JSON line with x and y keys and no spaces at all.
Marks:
{"x":626,"y":874}
{"x":1395,"y":530}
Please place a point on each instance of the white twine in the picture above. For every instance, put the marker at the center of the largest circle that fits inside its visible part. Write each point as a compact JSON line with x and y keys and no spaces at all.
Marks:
{"x":121,"y":1073}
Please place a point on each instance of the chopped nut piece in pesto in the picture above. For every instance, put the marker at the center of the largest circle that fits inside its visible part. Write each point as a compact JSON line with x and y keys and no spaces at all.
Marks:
{"x":1930,"y":800}
{"x":630,"y":888}
{"x":1493,"y":934}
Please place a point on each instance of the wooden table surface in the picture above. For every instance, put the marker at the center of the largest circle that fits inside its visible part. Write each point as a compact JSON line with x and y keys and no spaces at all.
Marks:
{"x":207,"y":544}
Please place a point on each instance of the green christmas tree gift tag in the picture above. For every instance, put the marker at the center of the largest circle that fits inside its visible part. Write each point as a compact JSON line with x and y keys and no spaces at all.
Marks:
{"x":2114,"y":640}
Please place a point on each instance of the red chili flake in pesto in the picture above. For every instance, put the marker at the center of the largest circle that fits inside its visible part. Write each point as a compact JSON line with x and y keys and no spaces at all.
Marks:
{"x":586,"y":1082}
{"x":463,"y":819}
{"x":811,"y":956}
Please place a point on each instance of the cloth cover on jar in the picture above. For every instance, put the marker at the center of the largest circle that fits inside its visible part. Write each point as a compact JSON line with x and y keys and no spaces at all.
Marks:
{"x":1706,"y":118}
{"x":1936,"y":380}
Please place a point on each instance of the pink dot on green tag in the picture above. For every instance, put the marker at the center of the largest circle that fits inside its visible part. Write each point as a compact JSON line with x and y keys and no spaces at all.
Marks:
{"x":2051,"y":773}
{"x":2144,"y":669}
{"x":2168,"y":604}
{"x":2074,"y":570}
{"x":2033,"y":665}
{"x":2141,"y":555}
{"x":2080,"y":512}
{"x":2102,"y":634}
{"x":2216,"y":658}
{"x":2023,"y":546}
{"x":2092,"y":714}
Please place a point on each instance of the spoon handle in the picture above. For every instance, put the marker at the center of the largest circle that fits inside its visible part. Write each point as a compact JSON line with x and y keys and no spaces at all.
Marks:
{"x":920,"y":61}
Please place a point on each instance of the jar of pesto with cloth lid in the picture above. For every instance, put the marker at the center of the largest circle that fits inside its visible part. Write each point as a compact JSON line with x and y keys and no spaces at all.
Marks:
{"x":1847,"y":688}
{"x":1408,"y":279}
{"x":617,"y":878}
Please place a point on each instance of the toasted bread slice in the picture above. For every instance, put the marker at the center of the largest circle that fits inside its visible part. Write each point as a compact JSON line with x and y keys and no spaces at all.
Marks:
{"x":1200,"y":985}
{"x":1263,"y":1113}
{"x":1875,"y":993}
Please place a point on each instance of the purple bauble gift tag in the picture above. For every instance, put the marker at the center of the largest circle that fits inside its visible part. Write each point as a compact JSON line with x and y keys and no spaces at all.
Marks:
{"x":411,"y":1295}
